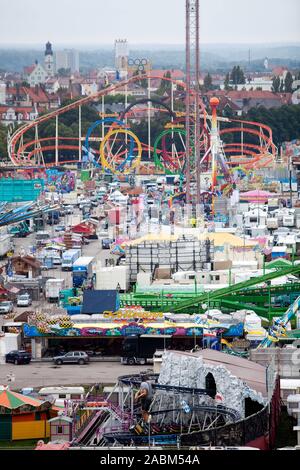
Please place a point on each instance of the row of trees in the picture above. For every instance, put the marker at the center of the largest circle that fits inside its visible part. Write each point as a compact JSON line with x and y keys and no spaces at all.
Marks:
{"x":236,"y":77}
{"x":3,"y":142}
{"x":284,"y":121}
{"x":283,"y":86}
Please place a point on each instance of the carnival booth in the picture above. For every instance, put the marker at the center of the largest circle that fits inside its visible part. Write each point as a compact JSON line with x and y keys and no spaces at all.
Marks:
{"x":23,"y":417}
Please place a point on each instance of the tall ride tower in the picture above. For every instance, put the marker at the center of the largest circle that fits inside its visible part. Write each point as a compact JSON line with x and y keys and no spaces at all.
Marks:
{"x":192,"y":97}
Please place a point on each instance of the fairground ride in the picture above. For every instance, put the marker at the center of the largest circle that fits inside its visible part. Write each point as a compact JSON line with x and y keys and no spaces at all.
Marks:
{"x":191,"y":143}
{"x":116,"y":149}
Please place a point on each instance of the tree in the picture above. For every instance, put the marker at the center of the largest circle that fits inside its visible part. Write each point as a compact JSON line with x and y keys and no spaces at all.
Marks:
{"x":237,"y":76}
{"x":227,"y":82}
{"x":281,"y":89}
{"x":241,"y":76}
{"x":208,"y":82}
{"x":165,"y":85}
{"x":276,"y":84}
{"x":62,"y":72}
{"x":284,"y":122}
{"x":3,"y":142}
{"x":143,"y":82}
{"x":288,"y":83}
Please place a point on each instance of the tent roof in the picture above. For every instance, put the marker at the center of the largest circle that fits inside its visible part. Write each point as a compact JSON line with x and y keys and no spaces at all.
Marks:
{"x":218,"y":238}
{"x":12,"y":400}
{"x":257,"y":192}
{"x":52,"y":446}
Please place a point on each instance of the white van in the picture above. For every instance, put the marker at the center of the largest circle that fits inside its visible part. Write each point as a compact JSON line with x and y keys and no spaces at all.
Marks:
{"x":42,"y":238}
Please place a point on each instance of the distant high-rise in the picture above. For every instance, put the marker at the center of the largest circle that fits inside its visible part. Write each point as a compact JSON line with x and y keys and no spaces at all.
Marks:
{"x":67,"y":59}
{"x":121,"y":54}
{"x":2,"y":93}
{"x":48,"y":61}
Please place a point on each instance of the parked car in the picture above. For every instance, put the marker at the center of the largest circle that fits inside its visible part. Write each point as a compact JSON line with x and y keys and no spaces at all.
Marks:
{"x":106,"y":242}
{"x":6,"y":307}
{"x":92,"y":353}
{"x":60,"y":228}
{"x":72,"y":357}
{"x":150,"y":202}
{"x":18,"y":357}
{"x":69,"y":209}
{"x":24,"y":300}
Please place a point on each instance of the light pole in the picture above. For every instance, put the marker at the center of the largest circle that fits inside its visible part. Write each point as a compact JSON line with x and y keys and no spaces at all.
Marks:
{"x":149,"y":430}
{"x":290,"y":178}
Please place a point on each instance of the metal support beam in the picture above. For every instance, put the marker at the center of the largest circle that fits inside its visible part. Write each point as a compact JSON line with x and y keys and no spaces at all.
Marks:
{"x":187,"y":104}
{"x":149,"y":118}
{"x":56,"y":140}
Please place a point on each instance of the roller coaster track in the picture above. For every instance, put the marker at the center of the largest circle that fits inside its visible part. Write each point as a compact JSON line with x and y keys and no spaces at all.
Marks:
{"x":239,"y":299}
{"x":136,"y":381}
{"x":229,"y":415}
{"x":220,"y":293}
{"x":19,"y":133}
{"x":23,"y":155}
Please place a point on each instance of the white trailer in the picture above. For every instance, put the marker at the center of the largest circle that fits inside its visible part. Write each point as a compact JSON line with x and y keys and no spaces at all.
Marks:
{"x":53,"y":288}
{"x":112,"y":278}
{"x":5,"y":244}
{"x":70,"y":198}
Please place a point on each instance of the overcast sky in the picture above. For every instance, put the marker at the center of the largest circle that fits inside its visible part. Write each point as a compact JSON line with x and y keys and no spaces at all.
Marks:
{"x":99,"y":22}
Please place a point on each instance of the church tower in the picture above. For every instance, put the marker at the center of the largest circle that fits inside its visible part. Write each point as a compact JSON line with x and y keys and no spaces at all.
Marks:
{"x":49,"y":62}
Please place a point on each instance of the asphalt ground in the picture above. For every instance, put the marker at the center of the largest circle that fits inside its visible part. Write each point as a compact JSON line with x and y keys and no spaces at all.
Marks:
{"x":46,"y":374}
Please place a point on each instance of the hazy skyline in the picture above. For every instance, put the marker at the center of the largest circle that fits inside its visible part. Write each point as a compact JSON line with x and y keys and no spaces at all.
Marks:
{"x":142,"y":21}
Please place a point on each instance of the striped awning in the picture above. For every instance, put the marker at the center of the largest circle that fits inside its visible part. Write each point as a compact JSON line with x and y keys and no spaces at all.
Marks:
{"x":11,"y":401}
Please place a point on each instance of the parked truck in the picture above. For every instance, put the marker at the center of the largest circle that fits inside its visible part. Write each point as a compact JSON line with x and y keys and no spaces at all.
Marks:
{"x":139,"y":349}
{"x":53,"y":288}
{"x":20,"y":231}
{"x":83,"y":270}
{"x":68,"y":259}
{"x":53,"y":218}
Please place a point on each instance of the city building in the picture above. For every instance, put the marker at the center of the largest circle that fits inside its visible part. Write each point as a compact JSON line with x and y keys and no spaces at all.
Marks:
{"x":296,"y":97}
{"x":121,"y":54}
{"x":253,"y":98}
{"x":35,"y":74}
{"x":89,"y":87}
{"x":49,"y":62}
{"x":67,"y":59}
{"x":18,"y":114}
{"x":256,"y":83}
{"x":247,"y":99}
{"x":2,"y":92}
{"x":21,"y":104}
